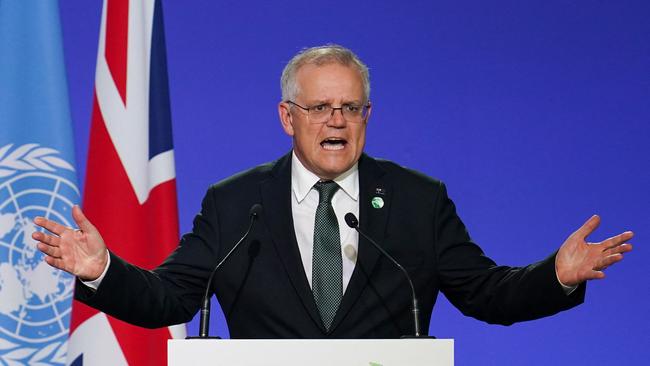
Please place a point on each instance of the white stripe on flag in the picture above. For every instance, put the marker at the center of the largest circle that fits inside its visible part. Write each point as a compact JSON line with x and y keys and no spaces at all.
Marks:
{"x":125,"y":123}
{"x":161,"y":169}
{"x":96,"y":340}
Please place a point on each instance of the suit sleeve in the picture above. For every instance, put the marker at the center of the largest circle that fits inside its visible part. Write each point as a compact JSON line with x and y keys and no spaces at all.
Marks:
{"x":170,"y":294}
{"x":496,"y":294}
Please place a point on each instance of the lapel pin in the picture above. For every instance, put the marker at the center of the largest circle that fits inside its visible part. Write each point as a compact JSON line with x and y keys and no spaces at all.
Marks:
{"x":377,"y":202}
{"x":380,"y":191}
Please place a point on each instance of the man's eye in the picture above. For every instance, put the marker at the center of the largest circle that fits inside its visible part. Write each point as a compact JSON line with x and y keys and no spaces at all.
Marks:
{"x":352,"y":108}
{"x":320,"y":108}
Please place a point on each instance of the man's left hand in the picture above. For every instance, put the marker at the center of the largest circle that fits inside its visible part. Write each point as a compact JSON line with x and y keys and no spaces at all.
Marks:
{"x":578,"y":261}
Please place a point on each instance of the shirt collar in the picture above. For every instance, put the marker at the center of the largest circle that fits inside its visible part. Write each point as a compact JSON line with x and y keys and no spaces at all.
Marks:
{"x":303,"y":180}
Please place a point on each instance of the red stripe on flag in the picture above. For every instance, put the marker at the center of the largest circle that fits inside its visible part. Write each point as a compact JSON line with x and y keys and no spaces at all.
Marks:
{"x":117,"y":36}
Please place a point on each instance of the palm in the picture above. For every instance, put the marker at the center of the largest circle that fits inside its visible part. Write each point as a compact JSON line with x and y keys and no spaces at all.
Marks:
{"x":79,"y":252}
{"x":578,"y":261}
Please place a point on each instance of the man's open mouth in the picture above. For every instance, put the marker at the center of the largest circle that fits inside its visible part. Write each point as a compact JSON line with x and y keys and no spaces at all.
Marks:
{"x":333,"y":143}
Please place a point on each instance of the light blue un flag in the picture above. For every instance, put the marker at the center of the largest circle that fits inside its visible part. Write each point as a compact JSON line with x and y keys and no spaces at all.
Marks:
{"x":37,"y":178}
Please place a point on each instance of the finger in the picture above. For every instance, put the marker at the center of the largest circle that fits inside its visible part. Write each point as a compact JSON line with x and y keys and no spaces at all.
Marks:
{"x":56,"y":263}
{"x":50,"y":225}
{"x":45,"y":238}
{"x":81,"y":219}
{"x":595,"y":275}
{"x":608,"y":261}
{"x":617,"y":240}
{"x":49,"y":250}
{"x":623,"y":248}
{"x":588,"y":227}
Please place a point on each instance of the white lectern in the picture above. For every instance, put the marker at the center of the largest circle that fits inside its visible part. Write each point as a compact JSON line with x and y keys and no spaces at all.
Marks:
{"x":311,"y":352}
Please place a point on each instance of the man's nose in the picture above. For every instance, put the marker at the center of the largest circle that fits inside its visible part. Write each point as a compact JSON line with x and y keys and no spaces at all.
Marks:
{"x":337,"y":119}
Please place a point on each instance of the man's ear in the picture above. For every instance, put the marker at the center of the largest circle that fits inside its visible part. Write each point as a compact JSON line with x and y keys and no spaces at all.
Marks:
{"x":369,"y":112}
{"x":285,"y":117}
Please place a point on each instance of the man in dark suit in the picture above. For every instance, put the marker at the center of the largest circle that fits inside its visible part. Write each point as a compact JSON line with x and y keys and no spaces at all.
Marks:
{"x":302,"y":272}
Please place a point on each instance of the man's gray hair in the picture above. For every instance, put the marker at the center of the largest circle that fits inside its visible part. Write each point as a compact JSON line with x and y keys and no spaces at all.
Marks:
{"x":321,"y":55}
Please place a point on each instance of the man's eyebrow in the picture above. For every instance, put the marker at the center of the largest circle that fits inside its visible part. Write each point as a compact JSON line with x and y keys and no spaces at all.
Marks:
{"x":316,"y":101}
{"x":354,"y":101}
{"x":324,"y":101}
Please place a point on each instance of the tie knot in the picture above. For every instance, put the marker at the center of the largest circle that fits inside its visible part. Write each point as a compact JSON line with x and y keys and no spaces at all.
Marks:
{"x":326,"y":191}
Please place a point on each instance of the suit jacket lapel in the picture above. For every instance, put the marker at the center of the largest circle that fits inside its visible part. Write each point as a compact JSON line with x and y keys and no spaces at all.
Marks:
{"x":276,"y":198}
{"x":373,"y":222}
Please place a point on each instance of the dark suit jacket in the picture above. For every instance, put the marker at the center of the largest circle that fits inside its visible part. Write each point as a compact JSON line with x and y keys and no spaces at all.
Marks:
{"x":263,"y":289}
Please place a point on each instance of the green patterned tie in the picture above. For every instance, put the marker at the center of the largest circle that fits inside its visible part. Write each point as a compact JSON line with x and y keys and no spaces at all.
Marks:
{"x":327,"y":277}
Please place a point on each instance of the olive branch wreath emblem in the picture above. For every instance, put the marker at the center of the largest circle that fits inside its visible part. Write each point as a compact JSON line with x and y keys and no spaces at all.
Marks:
{"x":31,"y":157}
{"x":54,"y":352}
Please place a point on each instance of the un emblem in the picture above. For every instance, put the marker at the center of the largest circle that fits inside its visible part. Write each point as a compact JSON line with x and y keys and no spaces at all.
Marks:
{"x":35,"y":298}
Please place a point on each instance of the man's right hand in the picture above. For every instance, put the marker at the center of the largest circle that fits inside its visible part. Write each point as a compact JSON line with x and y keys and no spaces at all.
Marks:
{"x":79,"y":252}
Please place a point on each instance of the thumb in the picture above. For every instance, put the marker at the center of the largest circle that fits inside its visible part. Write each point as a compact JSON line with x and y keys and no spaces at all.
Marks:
{"x":81,"y":220}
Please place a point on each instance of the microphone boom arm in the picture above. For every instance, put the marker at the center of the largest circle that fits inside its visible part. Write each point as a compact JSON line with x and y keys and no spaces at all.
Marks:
{"x":204,"y":322}
{"x":352,"y":222}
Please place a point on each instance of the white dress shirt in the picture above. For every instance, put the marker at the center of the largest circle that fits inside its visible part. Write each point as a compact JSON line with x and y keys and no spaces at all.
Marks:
{"x":304,"y":200}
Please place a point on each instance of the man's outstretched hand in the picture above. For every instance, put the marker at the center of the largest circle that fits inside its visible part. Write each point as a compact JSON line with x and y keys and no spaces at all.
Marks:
{"x":578,"y":261}
{"x":79,"y":252}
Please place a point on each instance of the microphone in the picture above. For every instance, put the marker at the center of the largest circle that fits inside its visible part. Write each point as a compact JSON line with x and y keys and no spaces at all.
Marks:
{"x":353,"y":223}
{"x":204,"y":323}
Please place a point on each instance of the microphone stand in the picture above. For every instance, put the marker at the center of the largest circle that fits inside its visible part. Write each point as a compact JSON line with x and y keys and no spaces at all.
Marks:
{"x":353,"y":223}
{"x":204,"y":321}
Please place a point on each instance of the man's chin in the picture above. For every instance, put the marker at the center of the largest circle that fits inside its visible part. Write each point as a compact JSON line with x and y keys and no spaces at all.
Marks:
{"x":330,"y":171}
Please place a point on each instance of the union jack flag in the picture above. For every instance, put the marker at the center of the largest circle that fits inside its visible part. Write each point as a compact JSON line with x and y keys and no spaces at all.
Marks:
{"x":130,"y":190}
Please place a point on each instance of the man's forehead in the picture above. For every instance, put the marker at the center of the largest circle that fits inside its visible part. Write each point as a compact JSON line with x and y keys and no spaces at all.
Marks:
{"x":327,"y":78}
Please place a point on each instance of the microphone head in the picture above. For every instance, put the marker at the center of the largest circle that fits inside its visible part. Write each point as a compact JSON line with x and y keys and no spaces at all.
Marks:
{"x":255,"y":210}
{"x":351,"y":220}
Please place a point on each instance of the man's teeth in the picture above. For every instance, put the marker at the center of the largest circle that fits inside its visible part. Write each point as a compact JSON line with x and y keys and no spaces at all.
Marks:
{"x":327,"y":146}
{"x":333,"y":144}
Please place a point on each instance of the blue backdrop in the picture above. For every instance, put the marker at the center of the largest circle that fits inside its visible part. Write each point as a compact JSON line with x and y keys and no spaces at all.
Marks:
{"x":536,"y":114}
